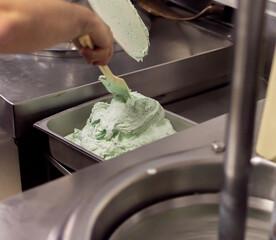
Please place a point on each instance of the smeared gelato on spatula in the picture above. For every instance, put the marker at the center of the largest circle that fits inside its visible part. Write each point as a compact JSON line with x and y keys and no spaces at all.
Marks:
{"x":115,"y":85}
{"x":126,"y":25}
{"x":118,"y":127}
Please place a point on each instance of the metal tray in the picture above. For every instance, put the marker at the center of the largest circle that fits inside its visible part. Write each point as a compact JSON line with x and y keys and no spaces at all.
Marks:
{"x":61,"y":124}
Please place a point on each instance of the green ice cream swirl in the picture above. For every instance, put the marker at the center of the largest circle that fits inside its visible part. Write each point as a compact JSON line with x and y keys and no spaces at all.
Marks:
{"x":117,"y":127}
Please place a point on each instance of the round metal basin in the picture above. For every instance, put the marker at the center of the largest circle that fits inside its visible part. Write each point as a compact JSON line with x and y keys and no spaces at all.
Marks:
{"x":174,"y":198}
{"x":191,"y":218}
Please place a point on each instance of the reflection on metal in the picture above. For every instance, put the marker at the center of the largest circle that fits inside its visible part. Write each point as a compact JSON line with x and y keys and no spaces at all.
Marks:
{"x":231,"y":3}
{"x":152,"y":171}
{"x":158,"y":8}
{"x":62,"y":47}
{"x":67,"y":50}
{"x":272,"y":232}
{"x":218,"y":147}
{"x":249,"y":32}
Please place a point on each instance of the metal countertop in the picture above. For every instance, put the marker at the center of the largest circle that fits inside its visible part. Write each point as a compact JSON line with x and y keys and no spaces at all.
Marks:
{"x":211,"y":104}
{"x":26,"y":77}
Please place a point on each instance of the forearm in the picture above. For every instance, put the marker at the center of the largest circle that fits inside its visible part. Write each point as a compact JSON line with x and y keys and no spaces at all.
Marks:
{"x":28,"y":26}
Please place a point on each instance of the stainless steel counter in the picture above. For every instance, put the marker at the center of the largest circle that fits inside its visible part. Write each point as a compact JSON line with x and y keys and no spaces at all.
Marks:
{"x":210,"y":104}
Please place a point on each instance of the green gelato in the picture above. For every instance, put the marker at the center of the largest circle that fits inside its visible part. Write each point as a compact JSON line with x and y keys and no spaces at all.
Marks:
{"x":118,"y":127}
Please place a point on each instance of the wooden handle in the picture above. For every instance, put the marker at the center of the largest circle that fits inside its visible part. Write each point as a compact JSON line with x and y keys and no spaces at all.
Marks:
{"x":85,"y":41}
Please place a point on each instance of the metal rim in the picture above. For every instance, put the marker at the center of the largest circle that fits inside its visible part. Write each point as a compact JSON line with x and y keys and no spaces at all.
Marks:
{"x":90,"y":210}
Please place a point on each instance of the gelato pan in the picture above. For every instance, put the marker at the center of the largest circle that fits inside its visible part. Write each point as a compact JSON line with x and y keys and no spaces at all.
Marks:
{"x":72,"y":155}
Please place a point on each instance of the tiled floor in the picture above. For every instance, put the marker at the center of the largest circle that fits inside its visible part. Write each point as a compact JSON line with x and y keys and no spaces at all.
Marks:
{"x":9,"y":167}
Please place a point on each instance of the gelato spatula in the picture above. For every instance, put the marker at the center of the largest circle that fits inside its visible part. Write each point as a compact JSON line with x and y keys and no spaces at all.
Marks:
{"x":115,"y":85}
{"x":127,"y":27}
{"x":129,"y":32}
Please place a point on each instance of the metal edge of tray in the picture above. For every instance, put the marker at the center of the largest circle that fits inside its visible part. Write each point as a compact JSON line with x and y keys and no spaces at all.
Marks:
{"x":66,"y":152}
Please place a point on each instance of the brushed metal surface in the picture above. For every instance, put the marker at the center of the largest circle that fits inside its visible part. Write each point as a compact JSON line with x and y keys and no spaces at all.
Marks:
{"x":234,"y":3}
{"x":231,"y":3}
{"x":72,"y":155}
{"x":240,"y":129}
{"x":10,"y":183}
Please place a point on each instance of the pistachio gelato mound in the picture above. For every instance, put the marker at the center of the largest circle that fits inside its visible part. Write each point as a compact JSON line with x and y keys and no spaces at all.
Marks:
{"x":118,"y":127}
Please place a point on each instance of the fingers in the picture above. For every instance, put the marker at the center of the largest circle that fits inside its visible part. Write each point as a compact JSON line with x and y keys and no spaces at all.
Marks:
{"x":105,"y":61}
{"x":101,"y":38}
{"x":97,"y":56}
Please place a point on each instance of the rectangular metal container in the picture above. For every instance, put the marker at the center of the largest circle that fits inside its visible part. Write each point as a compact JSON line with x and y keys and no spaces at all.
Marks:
{"x":61,"y":124}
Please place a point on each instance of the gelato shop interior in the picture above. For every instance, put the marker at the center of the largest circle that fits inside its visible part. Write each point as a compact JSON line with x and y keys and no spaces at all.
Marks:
{"x":173,"y":137}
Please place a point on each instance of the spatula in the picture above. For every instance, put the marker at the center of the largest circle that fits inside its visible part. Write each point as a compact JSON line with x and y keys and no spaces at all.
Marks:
{"x":127,"y":27}
{"x":115,"y":85}
{"x":128,"y":30}
{"x":266,"y":144}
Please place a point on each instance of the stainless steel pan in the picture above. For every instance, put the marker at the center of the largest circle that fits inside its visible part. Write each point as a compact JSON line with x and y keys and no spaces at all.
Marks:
{"x":68,"y":153}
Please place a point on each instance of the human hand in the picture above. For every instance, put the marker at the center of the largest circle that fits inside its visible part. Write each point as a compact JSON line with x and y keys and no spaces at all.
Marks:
{"x":102,"y":41}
